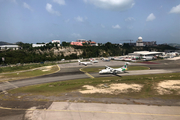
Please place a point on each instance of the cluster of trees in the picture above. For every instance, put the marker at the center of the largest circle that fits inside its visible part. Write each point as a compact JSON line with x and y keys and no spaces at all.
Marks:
{"x":28,"y":54}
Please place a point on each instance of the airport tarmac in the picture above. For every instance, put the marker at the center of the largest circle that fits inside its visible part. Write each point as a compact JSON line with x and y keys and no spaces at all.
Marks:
{"x":94,"y":111}
{"x":72,"y":71}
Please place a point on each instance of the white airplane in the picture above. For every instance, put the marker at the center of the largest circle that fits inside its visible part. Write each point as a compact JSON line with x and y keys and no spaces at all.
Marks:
{"x":146,"y":58}
{"x":106,"y":59}
{"x":114,"y":71}
{"x":84,"y":63}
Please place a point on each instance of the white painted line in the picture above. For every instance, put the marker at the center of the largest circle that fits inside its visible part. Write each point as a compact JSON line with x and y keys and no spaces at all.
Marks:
{"x":3,"y":91}
{"x":11,"y":84}
{"x":1,"y":87}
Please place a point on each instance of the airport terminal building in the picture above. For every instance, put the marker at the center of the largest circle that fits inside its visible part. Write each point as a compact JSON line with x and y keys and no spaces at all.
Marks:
{"x":146,"y":53}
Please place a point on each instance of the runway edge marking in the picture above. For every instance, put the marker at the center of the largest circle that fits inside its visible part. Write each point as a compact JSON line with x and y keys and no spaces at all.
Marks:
{"x":11,"y":84}
{"x":86,"y":73}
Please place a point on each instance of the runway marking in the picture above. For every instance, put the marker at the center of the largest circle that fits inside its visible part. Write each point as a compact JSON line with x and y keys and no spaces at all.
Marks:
{"x":89,"y":75}
{"x":58,"y":68}
{"x":11,"y":84}
{"x":3,"y":91}
{"x":77,"y":111}
{"x":86,"y":73}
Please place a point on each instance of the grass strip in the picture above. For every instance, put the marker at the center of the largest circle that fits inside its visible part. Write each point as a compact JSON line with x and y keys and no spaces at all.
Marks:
{"x":27,"y":74}
{"x":149,"y":82}
{"x":23,"y":67}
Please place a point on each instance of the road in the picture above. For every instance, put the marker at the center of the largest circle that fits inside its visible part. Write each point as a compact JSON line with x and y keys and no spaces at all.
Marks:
{"x":94,"y":111}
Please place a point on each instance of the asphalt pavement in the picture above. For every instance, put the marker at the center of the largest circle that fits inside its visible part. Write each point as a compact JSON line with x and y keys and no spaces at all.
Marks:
{"x":72,"y":71}
{"x":87,"y":111}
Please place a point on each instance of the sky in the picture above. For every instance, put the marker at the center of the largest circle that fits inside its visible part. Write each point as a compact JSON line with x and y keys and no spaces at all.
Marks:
{"x":115,"y":21}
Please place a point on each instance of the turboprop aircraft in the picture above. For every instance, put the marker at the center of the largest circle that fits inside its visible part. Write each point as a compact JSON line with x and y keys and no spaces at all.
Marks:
{"x":84,"y":63}
{"x":114,"y":71}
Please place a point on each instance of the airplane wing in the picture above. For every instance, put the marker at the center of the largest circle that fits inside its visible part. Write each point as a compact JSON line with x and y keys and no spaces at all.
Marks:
{"x":107,"y":67}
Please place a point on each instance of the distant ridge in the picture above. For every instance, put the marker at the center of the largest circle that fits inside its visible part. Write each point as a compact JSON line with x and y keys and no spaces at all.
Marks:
{"x":5,"y":43}
{"x":174,"y":45}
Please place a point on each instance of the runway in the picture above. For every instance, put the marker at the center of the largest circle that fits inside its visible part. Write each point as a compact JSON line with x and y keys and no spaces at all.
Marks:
{"x":72,"y":71}
{"x":34,"y":110}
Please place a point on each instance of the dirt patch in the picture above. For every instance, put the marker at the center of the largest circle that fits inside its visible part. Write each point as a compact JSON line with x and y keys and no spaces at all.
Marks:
{"x":168,"y":87}
{"x":46,"y":68}
{"x":112,"y":88}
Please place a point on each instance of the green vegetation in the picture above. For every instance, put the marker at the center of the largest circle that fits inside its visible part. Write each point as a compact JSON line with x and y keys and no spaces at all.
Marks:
{"x":149,"y":82}
{"x":97,"y":69}
{"x":23,"y":67}
{"x":28,"y":54}
{"x":28,"y":74}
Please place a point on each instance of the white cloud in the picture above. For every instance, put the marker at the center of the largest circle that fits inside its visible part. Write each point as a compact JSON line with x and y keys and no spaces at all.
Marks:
{"x":130,"y":27}
{"x":79,"y":19}
{"x":102,"y":26}
{"x":151,"y":17}
{"x":112,"y":4}
{"x":50,"y":10}
{"x":67,"y":20}
{"x":14,"y":1}
{"x":60,"y":2}
{"x":25,"y":5}
{"x":175,"y":9}
{"x":116,"y":27}
{"x":75,"y":35}
{"x":129,"y":19}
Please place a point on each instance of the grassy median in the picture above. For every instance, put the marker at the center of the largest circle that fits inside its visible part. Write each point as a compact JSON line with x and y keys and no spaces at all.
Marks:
{"x":148,"y":82}
{"x":22,"y":67}
{"x":16,"y":75}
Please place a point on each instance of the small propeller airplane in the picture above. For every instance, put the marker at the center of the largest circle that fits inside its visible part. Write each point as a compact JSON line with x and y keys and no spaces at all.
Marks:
{"x":84,"y":63}
{"x":114,"y":71}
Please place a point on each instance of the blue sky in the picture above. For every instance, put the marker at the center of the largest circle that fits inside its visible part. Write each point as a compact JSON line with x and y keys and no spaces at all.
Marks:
{"x":32,"y":21}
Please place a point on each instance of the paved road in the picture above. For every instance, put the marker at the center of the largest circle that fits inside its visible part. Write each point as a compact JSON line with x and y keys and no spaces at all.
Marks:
{"x":95,"y":111}
{"x":88,"y":111}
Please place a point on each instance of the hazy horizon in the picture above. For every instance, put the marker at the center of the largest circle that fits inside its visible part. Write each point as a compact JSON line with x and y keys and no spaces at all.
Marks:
{"x":97,"y":20}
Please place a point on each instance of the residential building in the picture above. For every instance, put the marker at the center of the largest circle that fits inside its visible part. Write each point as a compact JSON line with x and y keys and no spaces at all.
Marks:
{"x":38,"y":45}
{"x":76,"y":43}
{"x":7,"y":47}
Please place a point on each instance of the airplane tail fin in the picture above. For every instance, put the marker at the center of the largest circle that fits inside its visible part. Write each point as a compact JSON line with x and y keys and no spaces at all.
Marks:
{"x":126,"y":64}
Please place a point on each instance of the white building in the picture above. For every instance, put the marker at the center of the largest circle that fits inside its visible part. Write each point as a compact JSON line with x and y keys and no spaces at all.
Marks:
{"x":145,"y":54}
{"x":56,"y":41}
{"x":38,"y":45}
{"x":139,"y":42}
{"x":6,"y":47}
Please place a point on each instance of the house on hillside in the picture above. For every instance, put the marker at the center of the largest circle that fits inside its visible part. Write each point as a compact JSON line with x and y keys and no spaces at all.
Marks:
{"x":93,"y":43}
{"x":76,"y":43}
{"x":12,"y":47}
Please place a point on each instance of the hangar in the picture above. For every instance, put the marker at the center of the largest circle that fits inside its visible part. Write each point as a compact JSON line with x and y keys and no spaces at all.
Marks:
{"x":146,"y":53}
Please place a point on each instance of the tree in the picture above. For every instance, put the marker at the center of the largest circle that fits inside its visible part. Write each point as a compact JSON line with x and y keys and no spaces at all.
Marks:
{"x":65,"y":43}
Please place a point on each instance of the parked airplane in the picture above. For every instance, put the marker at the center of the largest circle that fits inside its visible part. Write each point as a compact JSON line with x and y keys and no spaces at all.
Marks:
{"x":114,"y":71}
{"x":106,"y":59}
{"x":84,"y":63}
{"x":146,"y":58}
